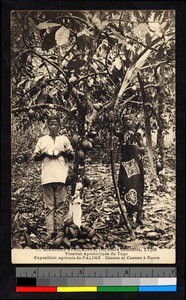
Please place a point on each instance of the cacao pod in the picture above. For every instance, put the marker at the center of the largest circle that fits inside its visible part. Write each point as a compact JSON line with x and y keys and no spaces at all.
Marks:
{"x":73,"y":232}
{"x":75,"y":140}
{"x":94,"y":239}
{"x":91,"y":140}
{"x":80,"y":155}
{"x":85,"y":247}
{"x":58,"y":241}
{"x":159,"y":167}
{"x":74,"y":226}
{"x":86,"y":145}
{"x":90,"y":145}
{"x":87,"y":240}
{"x":70,"y":232}
{"x":67,"y":231}
{"x":89,"y":246}
{"x":86,"y":181}
{"x":66,"y":243}
{"x":73,"y":241}
{"x":68,"y":222}
{"x":81,"y":242}
{"x":91,"y":233}
{"x":85,"y":228}
{"x":69,"y":179}
{"x":100,"y":245}
{"x":82,"y":234}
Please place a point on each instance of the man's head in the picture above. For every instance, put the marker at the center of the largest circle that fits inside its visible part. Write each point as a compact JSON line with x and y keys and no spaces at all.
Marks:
{"x":129,"y":121}
{"x":53,"y":125}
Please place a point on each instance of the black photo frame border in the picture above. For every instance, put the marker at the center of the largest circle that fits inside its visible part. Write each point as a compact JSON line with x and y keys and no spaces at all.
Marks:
{"x":7,"y":273}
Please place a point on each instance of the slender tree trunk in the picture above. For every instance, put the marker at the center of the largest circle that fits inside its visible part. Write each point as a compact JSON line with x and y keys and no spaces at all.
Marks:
{"x":147,"y":126}
{"x":120,"y":203}
{"x":160,"y":120}
{"x":81,"y":132}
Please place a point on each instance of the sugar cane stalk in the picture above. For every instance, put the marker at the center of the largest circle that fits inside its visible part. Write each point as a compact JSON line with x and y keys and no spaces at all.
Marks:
{"x":120,"y":203}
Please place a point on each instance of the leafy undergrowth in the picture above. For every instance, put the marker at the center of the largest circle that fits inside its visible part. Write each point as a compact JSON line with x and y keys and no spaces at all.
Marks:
{"x":101,"y":218}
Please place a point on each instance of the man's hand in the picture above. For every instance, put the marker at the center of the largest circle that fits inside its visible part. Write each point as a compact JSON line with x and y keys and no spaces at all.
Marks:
{"x":140,"y":149}
{"x":39,"y":156}
{"x":67,"y":154}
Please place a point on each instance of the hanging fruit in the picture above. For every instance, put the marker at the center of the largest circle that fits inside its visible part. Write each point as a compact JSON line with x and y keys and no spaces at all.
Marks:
{"x":80,"y":155}
{"x":69,"y":179}
{"x":91,"y":140}
{"x":75,"y":140}
{"x":86,"y":181}
{"x":87,"y":145}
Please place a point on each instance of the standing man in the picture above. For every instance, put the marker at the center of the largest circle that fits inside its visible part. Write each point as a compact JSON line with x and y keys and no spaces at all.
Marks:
{"x":55,"y":152}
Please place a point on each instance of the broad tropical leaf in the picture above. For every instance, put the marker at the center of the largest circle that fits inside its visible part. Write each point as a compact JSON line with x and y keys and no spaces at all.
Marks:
{"x":46,"y":25}
{"x":62,"y":36}
{"x":132,"y":72}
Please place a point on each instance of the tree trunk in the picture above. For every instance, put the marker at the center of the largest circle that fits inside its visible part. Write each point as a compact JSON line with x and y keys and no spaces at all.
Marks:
{"x":160,"y":120}
{"x":147,"y":126}
{"x":120,"y":203}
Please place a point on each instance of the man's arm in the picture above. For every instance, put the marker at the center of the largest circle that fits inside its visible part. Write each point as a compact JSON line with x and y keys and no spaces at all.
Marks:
{"x":140,"y":149}
{"x":39,"y":156}
{"x":68,"y":154}
{"x":141,"y":145}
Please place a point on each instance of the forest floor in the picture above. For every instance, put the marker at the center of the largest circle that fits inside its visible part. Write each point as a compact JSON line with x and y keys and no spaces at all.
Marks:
{"x":100,"y":210}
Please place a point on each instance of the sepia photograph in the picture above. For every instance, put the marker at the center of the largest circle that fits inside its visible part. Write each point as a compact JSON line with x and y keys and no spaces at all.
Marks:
{"x":93,"y":136}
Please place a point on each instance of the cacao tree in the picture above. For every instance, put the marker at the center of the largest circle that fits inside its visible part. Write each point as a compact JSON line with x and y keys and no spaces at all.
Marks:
{"x":89,"y":66}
